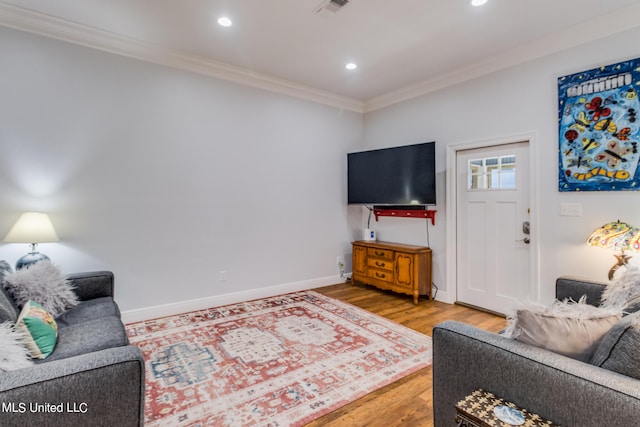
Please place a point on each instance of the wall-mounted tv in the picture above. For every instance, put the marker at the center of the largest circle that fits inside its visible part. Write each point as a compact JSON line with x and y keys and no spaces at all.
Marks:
{"x":399,"y":176}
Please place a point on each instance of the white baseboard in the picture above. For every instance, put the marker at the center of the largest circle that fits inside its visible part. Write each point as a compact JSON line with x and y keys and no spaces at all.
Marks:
{"x":154,"y":312}
{"x":443,"y":296}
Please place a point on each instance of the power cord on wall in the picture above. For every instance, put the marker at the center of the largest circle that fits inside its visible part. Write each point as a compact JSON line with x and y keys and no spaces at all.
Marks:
{"x":434,"y":286}
{"x":428,"y":240}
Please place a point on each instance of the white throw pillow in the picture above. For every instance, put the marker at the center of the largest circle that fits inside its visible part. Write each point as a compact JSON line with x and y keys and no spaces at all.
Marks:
{"x":568,"y":328}
{"x":623,"y":292}
{"x":14,"y":354}
{"x":43,"y":283}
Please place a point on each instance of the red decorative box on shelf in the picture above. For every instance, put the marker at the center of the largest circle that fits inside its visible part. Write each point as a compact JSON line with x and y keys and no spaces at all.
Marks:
{"x":407,"y":213}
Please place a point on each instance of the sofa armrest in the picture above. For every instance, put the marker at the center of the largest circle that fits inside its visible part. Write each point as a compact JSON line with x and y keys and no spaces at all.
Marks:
{"x":93,"y":284}
{"x":104,"y":388}
{"x":560,"y":389}
{"x":575,"y":287}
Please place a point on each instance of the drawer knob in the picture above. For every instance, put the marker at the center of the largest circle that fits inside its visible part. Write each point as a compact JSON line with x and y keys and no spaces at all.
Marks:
{"x":379,"y":253}
{"x":380,"y":264}
{"x":380,"y":276}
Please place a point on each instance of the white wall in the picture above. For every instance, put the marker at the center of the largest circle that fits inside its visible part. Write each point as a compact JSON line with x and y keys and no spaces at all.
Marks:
{"x":166,"y":177}
{"x":516,"y":101}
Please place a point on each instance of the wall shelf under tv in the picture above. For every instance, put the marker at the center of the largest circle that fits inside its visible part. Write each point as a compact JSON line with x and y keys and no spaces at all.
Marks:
{"x":406,"y":213}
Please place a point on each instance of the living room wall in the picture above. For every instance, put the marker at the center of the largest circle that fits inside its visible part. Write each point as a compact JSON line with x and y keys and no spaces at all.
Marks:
{"x":520,"y":100}
{"x":169,"y":178}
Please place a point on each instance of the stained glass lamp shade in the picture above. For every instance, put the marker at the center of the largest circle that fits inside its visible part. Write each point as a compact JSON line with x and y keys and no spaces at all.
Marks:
{"x":618,"y":236}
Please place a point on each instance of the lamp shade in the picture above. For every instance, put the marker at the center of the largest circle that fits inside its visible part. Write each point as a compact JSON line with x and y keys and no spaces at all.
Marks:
{"x":32,"y":227}
{"x":616,"y":235}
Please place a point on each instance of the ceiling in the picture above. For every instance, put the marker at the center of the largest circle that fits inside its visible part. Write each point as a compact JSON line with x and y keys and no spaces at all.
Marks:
{"x":403,"y":48}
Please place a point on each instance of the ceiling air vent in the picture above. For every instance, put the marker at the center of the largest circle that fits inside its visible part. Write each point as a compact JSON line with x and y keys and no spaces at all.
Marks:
{"x":330,"y":6}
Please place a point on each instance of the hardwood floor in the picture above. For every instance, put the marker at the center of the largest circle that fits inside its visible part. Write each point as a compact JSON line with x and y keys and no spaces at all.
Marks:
{"x":407,"y":402}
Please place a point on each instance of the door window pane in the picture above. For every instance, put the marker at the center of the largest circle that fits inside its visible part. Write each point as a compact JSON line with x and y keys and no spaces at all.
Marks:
{"x":492,"y":173}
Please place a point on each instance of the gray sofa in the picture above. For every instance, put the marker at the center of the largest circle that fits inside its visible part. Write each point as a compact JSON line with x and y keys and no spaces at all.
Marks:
{"x":93,"y":376}
{"x":563,"y":390}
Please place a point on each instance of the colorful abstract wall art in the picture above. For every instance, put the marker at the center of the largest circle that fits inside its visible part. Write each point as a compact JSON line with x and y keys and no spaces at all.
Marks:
{"x":599,"y":131}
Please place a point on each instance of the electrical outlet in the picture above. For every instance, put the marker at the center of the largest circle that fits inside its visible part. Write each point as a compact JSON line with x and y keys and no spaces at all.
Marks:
{"x":223,"y":275}
{"x":571,"y":209}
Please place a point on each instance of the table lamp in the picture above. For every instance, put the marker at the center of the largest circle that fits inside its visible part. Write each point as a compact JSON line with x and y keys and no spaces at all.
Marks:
{"x":32,"y":228}
{"x":618,"y":236}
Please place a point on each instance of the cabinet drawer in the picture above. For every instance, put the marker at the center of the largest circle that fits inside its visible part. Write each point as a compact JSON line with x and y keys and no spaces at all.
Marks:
{"x":380,"y":253}
{"x":383,"y":264}
{"x":384,"y":275}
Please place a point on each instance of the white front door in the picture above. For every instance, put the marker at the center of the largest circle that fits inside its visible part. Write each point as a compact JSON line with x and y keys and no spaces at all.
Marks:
{"x":493,"y":240}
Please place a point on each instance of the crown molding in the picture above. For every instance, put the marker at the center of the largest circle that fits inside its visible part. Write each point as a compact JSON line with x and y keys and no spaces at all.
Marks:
{"x":21,"y":19}
{"x":605,"y":25}
{"x":34,"y":22}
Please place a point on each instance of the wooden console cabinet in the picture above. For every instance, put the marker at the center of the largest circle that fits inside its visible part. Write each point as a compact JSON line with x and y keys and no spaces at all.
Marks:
{"x":400,"y":268}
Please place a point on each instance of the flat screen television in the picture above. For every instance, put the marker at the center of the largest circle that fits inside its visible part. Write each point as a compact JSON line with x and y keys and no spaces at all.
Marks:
{"x":397,"y":176}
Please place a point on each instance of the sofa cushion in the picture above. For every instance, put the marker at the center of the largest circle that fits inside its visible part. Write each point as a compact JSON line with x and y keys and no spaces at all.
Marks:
{"x":573,"y":287}
{"x":14,"y":354}
{"x":44,"y":283}
{"x":568,"y":328}
{"x":89,"y":336}
{"x":618,"y":350}
{"x":39,"y":330}
{"x":8,"y":309}
{"x":89,"y":310}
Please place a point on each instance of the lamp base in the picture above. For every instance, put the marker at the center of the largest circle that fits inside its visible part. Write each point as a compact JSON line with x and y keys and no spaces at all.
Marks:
{"x":30,"y":259}
{"x":622,"y":260}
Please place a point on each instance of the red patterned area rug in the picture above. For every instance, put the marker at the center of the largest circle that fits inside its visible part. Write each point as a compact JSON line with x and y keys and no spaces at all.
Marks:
{"x":281,"y":361}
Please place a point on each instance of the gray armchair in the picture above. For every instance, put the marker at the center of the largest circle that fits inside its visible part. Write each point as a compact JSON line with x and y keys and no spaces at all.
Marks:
{"x":563,"y":390}
{"x":93,"y":377}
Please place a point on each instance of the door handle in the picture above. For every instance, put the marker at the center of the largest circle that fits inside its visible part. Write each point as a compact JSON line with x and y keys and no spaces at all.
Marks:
{"x":525,"y":240}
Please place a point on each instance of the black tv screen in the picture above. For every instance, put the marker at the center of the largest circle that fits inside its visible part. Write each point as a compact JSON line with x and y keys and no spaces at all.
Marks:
{"x":401,"y":176}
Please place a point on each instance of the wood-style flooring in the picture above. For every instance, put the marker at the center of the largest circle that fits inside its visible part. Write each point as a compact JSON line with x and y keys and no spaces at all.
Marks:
{"x":407,"y":402}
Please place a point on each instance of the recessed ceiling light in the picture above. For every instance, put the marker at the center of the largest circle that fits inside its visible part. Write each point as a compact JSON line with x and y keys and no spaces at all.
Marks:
{"x":351,"y":66}
{"x":478,"y":2}
{"x":224,"y":21}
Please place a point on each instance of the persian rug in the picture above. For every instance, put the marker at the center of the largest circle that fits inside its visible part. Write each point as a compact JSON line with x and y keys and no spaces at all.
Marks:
{"x":280,"y":361}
